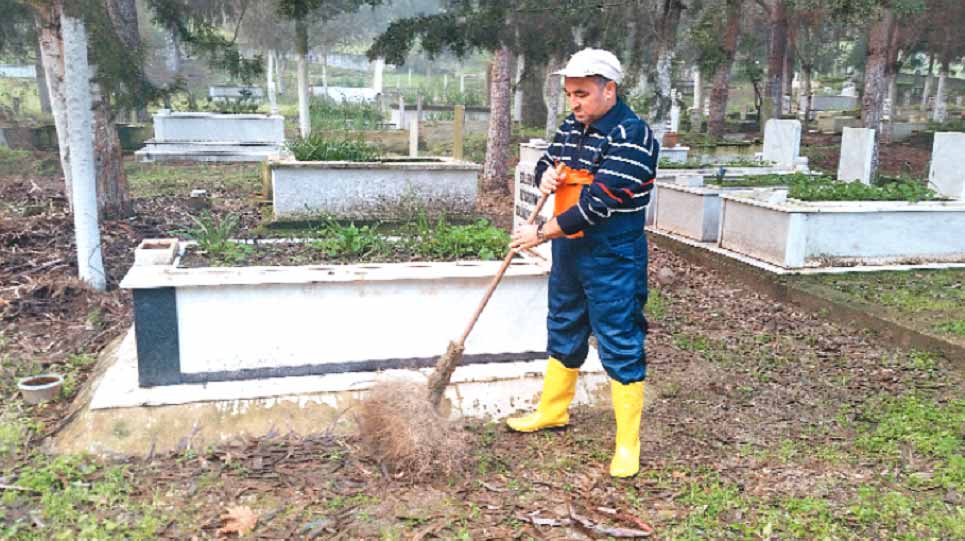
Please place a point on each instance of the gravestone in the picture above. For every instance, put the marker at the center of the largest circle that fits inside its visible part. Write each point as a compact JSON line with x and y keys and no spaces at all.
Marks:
{"x":947,"y":173}
{"x":849,"y":90}
{"x":527,"y":191}
{"x":674,"y":112}
{"x":857,"y":147}
{"x":782,"y":142}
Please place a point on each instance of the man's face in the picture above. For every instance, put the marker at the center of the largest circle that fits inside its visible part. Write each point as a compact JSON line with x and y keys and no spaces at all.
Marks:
{"x":589,"y":100}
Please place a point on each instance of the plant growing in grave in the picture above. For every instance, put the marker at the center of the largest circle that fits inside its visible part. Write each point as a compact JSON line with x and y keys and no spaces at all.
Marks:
{"x":760,"y":181}
{"x":349,"y":241}
{"x":827,"y":189}
{"x":320,"y":147}
{"x":214,"y":236}
{"x":246,"y":103}
{"x":445,"y":241}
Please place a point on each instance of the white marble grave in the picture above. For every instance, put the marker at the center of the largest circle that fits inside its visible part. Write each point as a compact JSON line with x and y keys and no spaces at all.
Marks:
{"x":782,"y":142}
{"x":857,"y":147}
{"x":947,"y":173}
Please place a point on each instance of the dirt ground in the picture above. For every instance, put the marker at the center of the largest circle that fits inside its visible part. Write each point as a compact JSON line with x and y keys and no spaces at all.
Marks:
{"x":761,"y":422}
{"x":910,"y":158}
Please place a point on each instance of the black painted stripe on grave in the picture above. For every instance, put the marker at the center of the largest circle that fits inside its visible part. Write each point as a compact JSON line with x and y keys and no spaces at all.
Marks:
{"x":156,"y":330}
{"x":352,"y":366}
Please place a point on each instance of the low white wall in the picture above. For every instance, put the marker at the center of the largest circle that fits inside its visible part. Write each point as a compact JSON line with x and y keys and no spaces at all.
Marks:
{"x":693,"y":212}
{"x":218,"y":128}
{"x":372,"y":190}
{"x":231,"y":319}
{"x":796,"y":234}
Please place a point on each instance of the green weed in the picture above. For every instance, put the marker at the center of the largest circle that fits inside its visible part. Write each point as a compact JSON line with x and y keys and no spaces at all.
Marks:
{"x":656,"y":307}
{"x":330,"y":115}
{"x":215,"y":235}
{"x":828,"y":189}
{"x":955,"y":327}
{"x":319,"y":146}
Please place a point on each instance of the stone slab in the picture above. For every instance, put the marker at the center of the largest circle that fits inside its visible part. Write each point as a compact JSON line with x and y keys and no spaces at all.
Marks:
{"x":782,"y":142}
{"x":386,"y":190}
{"x":214,"y":127}
{"x":947,"y":172}
{"x":115,"y":416}
{"x":857,"y":148}
{"x":207,"y":152}
{"x":835,"y":103}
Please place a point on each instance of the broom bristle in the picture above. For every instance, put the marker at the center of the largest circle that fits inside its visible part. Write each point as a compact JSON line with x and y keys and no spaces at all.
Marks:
{"x":403,"y":430}
{"x":440,"y":377}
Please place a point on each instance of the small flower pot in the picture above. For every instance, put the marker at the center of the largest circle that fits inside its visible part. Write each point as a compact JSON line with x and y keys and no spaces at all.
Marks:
{"x":42,"y":388}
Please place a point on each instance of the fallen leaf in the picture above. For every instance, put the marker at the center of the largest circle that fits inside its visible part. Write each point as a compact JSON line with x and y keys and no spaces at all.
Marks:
{"x":239,"y":520}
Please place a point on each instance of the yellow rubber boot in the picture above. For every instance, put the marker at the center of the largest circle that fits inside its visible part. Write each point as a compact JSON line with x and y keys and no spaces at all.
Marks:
{"x":559,"y":386}
{"x":627,"y":408}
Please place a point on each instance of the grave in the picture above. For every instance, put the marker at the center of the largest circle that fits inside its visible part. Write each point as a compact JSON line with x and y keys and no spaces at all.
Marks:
{"x":835,"y":103}
{"x":214,"y":137}
{"x":346,"y":94}
{"x":947,"y":174}
{"x":857,"y":148}
{"x":217,"y":353}
{"x":526,"y":191}
{"x":792,"y":234}
{"x":782,"y":142}
{"x":235,"y":92}
{"x":381,"y":190}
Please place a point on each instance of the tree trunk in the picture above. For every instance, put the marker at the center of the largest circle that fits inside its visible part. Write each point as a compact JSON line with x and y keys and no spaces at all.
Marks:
{"x":662,"y":76}
{"x":787,"y":94}
{"x":301,"y":50}
{"x":123,"y":14}
{"x":697,"y":113}
{"x":773,"y":101}
{"x":270,"y":83}
{"x":534,"y":108}
{"x":552,"y":94}
{"x":497,"y":146}
{"x":518,"y":88}
{"x":42,"y":91}
{"x":90,"y":261}
{"x":113,"y":193}
{"x":875,"y":77}
{"x":940,"y":113}
{"x":51,"y":45}
{"x":173,"y":54}
{"x":721,"y":80}
{"x":281,"y":64}
{"x":928,"y":82}
{"x":806,"y":72}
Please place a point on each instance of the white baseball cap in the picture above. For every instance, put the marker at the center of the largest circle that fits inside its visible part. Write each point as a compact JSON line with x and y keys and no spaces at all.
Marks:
{"x":590,"y":62}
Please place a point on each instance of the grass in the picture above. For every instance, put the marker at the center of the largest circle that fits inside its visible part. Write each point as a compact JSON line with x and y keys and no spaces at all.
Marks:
{"x":76,"y":497}
{"x":328,"y":115}
{"x":151,"y":180}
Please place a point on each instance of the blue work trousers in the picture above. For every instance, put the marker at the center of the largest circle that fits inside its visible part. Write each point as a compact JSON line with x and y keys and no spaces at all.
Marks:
{"x":599,"y":283}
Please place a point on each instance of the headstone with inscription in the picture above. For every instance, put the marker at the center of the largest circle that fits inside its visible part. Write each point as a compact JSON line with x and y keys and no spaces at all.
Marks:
{"x":527,"y":191}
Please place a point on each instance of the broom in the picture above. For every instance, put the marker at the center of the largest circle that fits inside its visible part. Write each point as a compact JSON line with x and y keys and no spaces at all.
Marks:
{"x":439,"y":379}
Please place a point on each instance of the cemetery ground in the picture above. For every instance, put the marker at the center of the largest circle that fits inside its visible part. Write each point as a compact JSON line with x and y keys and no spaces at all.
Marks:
{"x":762,"y":421}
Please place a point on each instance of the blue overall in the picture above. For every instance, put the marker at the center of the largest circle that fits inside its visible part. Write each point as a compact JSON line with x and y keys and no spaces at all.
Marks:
{"x":598,"y":282}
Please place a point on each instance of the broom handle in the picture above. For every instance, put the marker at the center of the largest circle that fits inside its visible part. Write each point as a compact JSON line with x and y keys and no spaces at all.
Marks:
{"x":499,"y":275}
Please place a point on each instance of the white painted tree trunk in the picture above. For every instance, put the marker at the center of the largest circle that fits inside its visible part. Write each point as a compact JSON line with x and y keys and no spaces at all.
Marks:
{"x":926,"y":92}
{"x":518,"y":92}
{"x":90,"y":261}
{"x":940,"y":114}
{"x":301,"y":50}
{"x":303,"y":119}
{"x":43,"y":92}
{"x":172,"y":50}
{"x":281,"y":63}
{"x":660,"y":110}
{"x":52,"y":49}
{"x":552,"y":93}
{"x":270,"y":73}
{"x":697,"y":112}
{"x":377,"y":84}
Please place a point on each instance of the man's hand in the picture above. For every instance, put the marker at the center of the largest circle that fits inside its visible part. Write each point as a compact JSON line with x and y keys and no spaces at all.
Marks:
{"x":550,"y":179}
{"x":524,"y":237}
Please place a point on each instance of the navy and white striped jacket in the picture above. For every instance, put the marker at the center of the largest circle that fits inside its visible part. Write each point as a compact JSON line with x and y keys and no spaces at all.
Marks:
{"x":620,"y":150}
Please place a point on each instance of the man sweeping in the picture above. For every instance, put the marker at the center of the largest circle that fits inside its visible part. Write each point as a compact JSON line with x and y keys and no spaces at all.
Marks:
{"x":601,"y":166}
